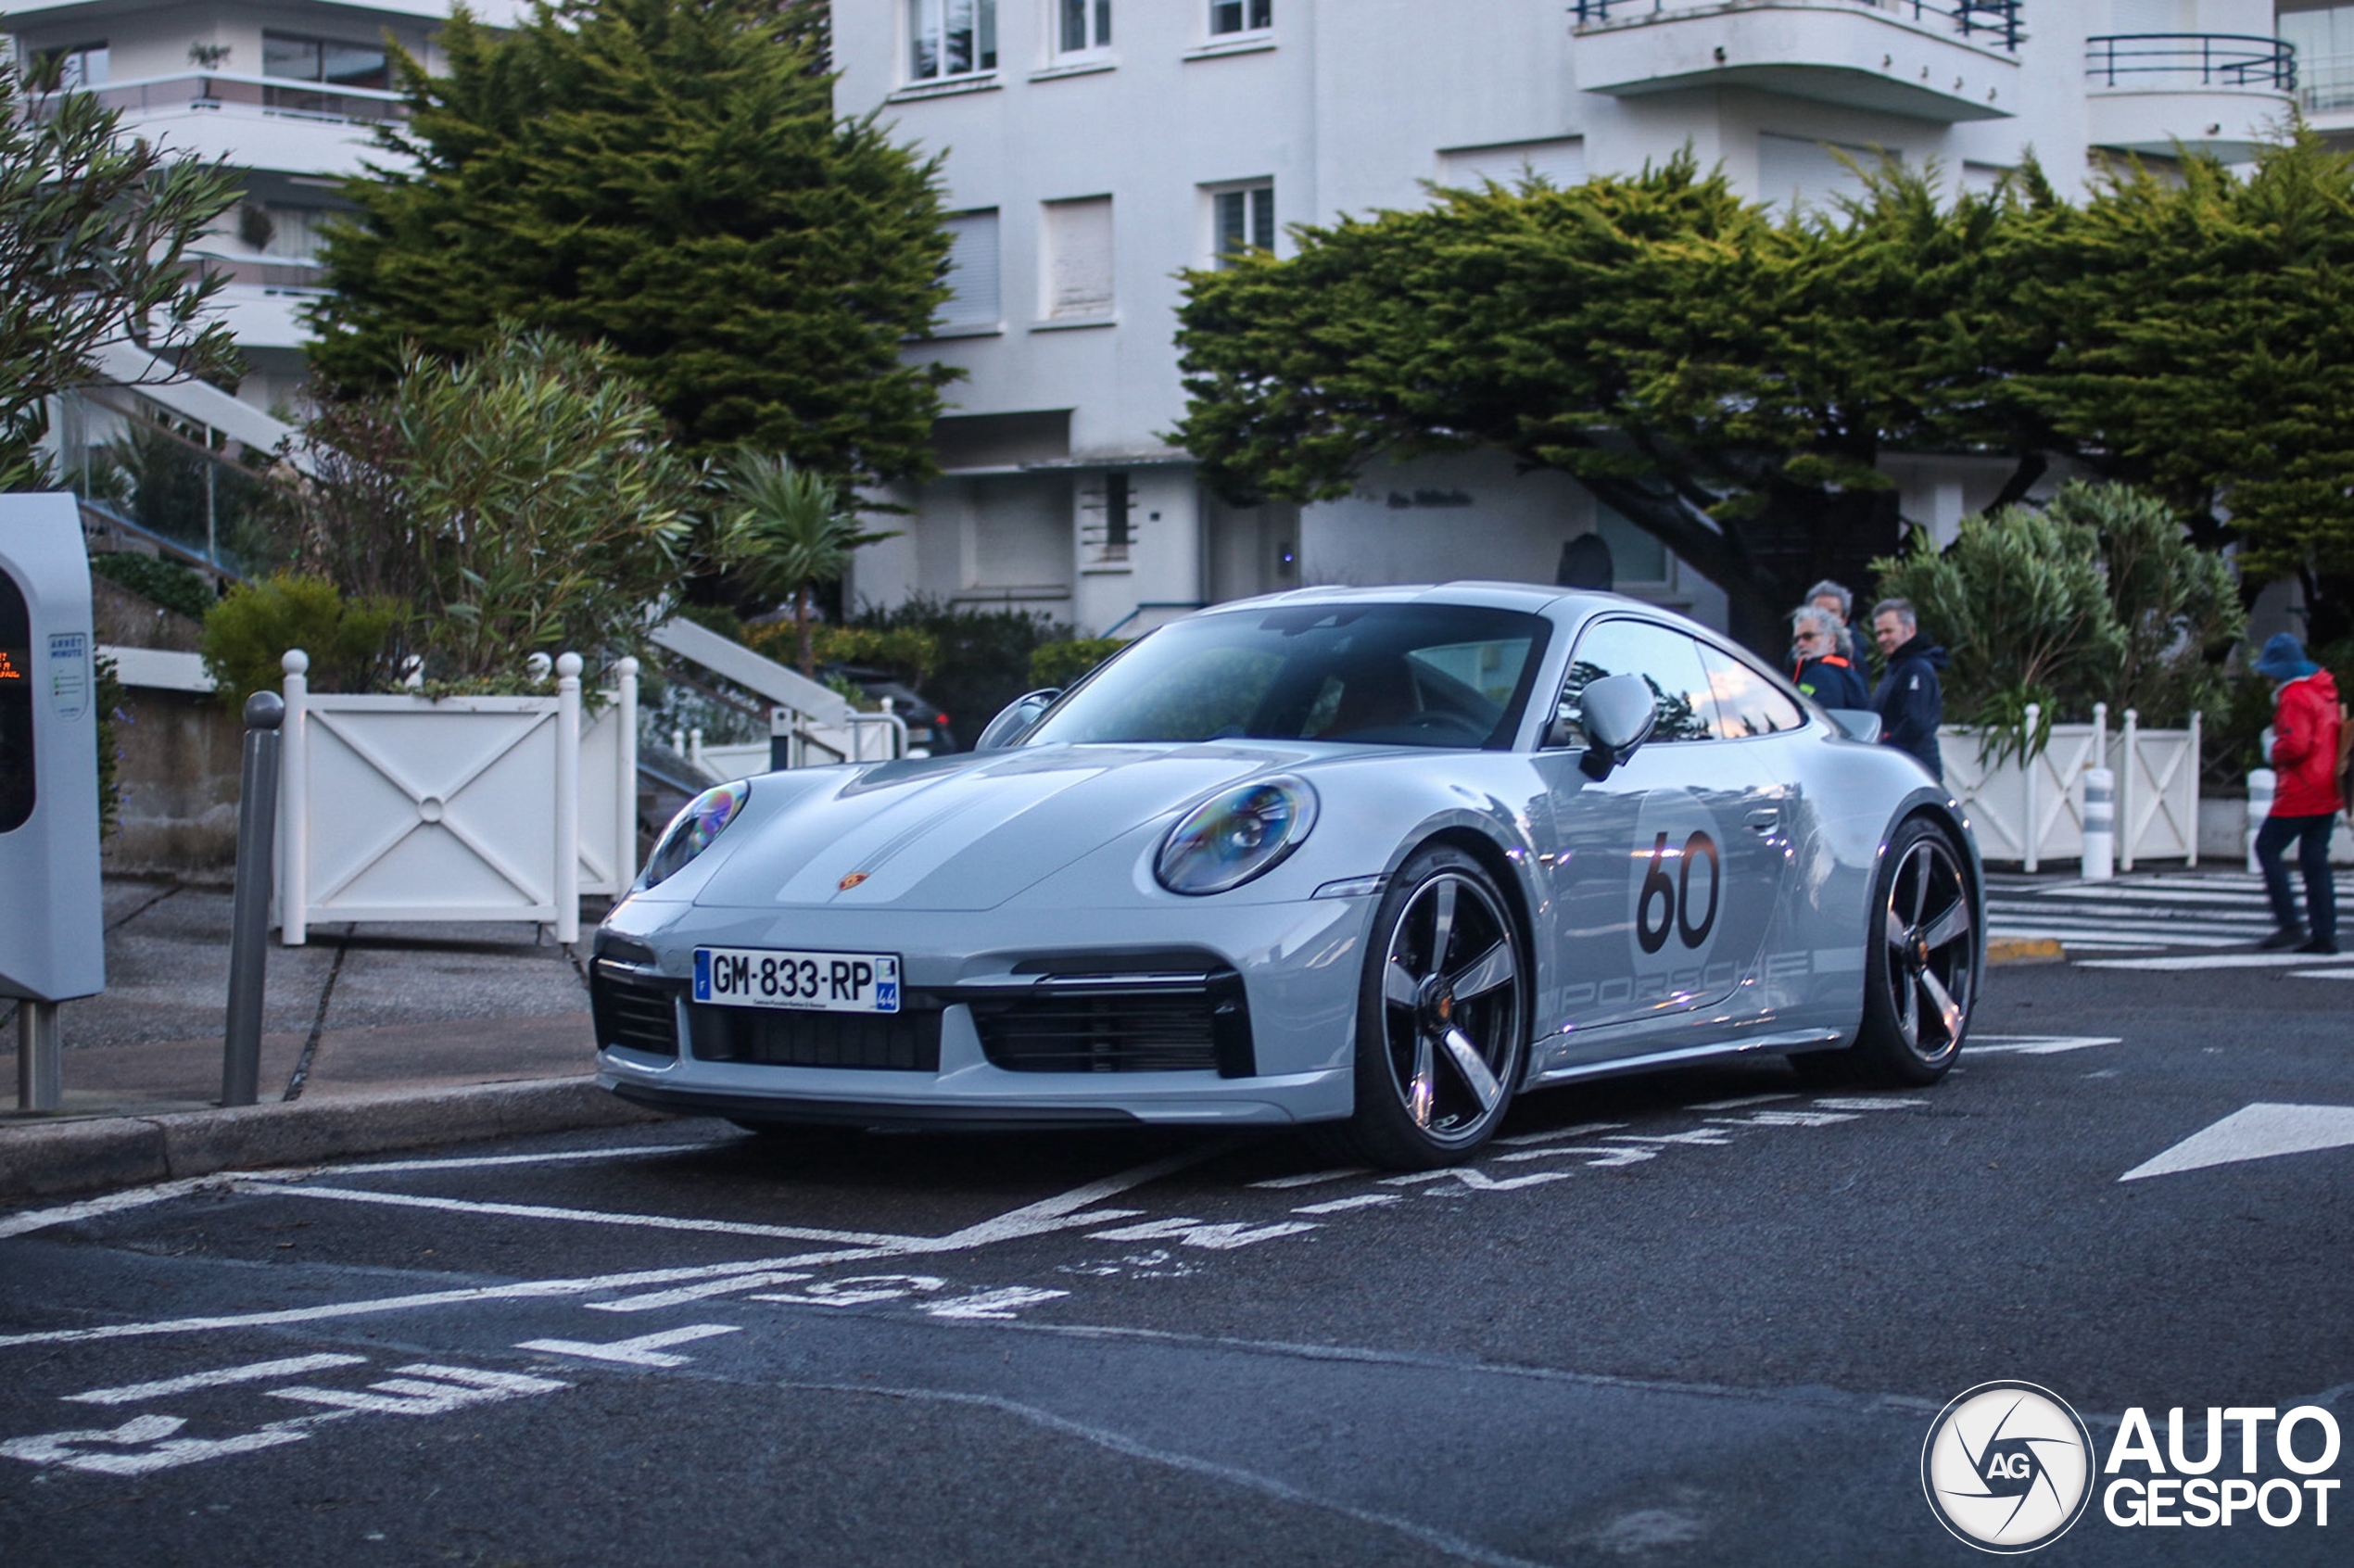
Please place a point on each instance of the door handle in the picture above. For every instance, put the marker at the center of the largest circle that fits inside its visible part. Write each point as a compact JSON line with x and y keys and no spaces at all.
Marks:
{"x":1764,"y":819}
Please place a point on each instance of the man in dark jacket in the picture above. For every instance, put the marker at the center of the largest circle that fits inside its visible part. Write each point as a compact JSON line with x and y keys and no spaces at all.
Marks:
{"x":1822,"y":671}
{"x":1910,"y":703}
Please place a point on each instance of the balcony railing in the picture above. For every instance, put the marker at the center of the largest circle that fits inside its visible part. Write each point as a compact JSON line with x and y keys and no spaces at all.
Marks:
{"x":215,"y":90}
{"x":2160,"y":60}
{"x":2325,"y":83}
{"x":258,"y":273}
{"x":1986,"y":21}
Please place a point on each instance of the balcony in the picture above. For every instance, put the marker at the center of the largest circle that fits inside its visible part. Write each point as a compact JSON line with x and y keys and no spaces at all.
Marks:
{"x":1939,"y":60}
{"x":2224,"y":94}
{"x":258,"y":121}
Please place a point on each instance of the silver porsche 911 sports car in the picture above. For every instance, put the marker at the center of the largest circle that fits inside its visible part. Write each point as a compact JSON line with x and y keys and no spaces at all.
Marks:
{"x":1378,"y":859}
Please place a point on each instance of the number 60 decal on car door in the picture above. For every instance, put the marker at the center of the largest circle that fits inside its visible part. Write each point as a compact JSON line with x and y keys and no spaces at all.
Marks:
{"x":1684,"y":919}
{"x":1666,"y":902}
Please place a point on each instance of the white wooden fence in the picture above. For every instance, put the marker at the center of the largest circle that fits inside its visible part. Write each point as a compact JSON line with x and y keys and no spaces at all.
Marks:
{"x":2034,"y":812}
{"x":395,"y":808}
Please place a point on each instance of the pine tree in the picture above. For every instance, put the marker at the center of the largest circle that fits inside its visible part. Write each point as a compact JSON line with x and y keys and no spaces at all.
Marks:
{"x":669,"y":177}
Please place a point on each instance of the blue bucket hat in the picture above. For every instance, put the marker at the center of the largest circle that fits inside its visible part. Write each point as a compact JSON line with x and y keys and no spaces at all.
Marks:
{"x":2284,"y":658}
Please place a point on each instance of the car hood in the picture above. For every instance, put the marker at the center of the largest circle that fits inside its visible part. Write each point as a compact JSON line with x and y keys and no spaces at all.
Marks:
{"x":966,"y":833}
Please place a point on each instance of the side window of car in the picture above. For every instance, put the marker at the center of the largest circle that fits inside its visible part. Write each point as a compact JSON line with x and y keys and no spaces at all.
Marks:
{"x":1747,"y":702}
{"x":1667,"y":659}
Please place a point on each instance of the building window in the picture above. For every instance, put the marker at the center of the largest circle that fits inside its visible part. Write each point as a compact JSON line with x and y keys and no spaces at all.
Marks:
{"x":78,"y":65}
{"x":1242,"y":219}
{"x":1105,"y":531}
{"x":972,"y":270}
{"x":1076,"y":275}
{"x":324,"y":59}
{"x":1082,"y":25}
{"x":951,"y":38}
{"x":1240,"y":15}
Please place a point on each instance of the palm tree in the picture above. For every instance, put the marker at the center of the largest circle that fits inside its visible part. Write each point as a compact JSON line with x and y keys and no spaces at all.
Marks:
{"x":791,"y":530}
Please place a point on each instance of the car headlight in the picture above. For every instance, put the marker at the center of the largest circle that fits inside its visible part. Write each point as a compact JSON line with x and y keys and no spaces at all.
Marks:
{"x":691,"y":831}
{"x":1232,"y":837}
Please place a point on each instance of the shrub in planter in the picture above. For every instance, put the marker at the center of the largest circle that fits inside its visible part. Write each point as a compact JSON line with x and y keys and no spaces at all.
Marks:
{"x":349,"y":642}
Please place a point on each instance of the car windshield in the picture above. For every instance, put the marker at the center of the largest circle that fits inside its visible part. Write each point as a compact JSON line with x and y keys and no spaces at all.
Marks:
{"x":1384,"y":675}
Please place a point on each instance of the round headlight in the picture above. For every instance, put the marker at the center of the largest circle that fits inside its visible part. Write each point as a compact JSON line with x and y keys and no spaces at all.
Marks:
{"x":691,"y":831}
{"x":1232,"y":837}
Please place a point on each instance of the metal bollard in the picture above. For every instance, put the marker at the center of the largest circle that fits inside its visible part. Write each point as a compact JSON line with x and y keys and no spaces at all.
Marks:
{"x":249,"y":916}
{"x":2100,"y":825}
{"x":2260,"y":785}
{"x":40,"y":1056}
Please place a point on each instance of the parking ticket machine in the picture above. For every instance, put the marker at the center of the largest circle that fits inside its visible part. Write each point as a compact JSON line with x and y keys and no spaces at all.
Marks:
{"x":52,"y":938}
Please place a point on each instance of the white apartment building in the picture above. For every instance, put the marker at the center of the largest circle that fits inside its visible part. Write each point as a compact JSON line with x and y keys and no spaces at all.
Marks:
{"x":1094,"y":148}
{"x":289,"y":94}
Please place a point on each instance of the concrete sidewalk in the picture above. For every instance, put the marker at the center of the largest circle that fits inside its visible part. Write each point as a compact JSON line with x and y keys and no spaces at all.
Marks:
{"x":367,"y":1018}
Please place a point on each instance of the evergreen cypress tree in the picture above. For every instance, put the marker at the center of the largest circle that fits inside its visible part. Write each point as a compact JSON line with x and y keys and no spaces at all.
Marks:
{"x":667,"y":176}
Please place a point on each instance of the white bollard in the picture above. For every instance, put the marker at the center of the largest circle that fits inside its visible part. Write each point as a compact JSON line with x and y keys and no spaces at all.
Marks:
{"x":294,"y":804}
{"x":2260,"y":785}
{"x":2100,"y":825}
{"x":568,"y":798}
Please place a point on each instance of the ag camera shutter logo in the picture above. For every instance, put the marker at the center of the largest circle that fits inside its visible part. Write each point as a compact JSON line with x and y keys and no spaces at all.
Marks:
{"x":2008,"y":1467}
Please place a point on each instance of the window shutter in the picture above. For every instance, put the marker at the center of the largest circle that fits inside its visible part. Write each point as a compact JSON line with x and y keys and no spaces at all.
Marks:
{"x":972,"y":270}
{"x":1078,"y":274}
{"x":1795,"y":168}
{"x":1561,"y":160}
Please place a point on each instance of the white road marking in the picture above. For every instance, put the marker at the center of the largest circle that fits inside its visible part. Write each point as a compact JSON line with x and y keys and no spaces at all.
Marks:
{"x":1744,"y":1100}
{"x":1611,"y":1157}
{"x":860,"y":1290}
{"x":2203,"y":961}
{"x":113,"y":1203}
{"x":1060,"y":1212}
{"x":475,"y":1162}
{"x":1787,"y":1118}
{"x":646,"y":1351}
{"x":163,"y":1450}
{"x":1312,"y":1177}
{"x":1342,"y":1205}
{"x":597,"y":1217}
{"x":2147,"y":893}
{"x":1706,"y":1137}
{"x":137,"y":1393}
{"x":1194,"y":1233}
{"x":425,"y":1388}
{"x":2257,"y":1131}
{"x":2320,"y":974}
{"x":2037,"y":1045}
{"x":679,"y":1296}
{"x":999,"y":1304}
{"x":1874,"y":1104}
{"x":1583,"y":1130}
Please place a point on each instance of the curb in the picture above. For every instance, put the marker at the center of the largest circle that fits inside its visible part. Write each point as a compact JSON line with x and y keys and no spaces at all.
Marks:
{"x":112,"y":1152}
{"x":2006,"y":951}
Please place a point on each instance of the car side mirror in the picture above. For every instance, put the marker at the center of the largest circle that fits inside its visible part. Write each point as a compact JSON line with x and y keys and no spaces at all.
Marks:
{"x":1014,"y":719}
{"x":1619,"y":713}
{"x":1857,"y":723}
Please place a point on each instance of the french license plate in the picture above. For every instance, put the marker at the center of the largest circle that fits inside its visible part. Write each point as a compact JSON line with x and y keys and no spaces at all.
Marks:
{"x":821,"y":982}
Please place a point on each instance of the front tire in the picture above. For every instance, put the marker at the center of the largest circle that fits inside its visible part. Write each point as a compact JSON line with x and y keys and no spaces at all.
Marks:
{"x":1442,"y":1017}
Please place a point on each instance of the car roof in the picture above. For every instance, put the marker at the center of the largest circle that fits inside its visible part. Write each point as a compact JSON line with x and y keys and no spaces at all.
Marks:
{"x":1534,"y":597}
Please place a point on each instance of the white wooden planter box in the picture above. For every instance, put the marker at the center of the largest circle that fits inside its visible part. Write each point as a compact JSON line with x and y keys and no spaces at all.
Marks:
{"x":2035,"y":812}
{"x":394,"y":808}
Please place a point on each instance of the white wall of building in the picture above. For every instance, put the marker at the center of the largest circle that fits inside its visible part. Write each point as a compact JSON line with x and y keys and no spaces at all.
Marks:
{"x":1347,"y":106}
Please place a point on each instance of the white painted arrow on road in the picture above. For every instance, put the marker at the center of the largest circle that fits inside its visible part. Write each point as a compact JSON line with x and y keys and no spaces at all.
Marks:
{"x":2256,"y":1132}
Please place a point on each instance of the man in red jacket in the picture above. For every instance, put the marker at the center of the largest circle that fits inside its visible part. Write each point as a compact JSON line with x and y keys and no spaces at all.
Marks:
{"x":2305,"y":801}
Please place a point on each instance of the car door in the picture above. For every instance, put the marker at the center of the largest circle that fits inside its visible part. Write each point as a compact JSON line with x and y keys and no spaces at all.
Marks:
{"x":1646,"y":924}
{"x":1758,"y":726}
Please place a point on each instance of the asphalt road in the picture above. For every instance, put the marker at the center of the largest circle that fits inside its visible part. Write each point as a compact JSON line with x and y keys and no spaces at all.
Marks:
{"x":1701,"y":1318}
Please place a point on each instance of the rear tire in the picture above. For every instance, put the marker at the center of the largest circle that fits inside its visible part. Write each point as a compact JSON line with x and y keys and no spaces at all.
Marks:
{"x":1442,"y":1018}
{"x":1920,"y":967}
